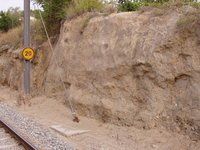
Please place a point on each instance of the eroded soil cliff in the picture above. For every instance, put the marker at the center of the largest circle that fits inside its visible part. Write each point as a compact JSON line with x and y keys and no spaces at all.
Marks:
{"x":137,"y":69}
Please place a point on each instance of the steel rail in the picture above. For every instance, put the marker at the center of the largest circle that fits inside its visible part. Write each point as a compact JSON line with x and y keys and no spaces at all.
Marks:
{"x":24,"y":142}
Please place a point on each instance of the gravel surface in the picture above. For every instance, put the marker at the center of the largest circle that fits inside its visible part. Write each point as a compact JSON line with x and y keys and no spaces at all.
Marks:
{"x":41,"y":137}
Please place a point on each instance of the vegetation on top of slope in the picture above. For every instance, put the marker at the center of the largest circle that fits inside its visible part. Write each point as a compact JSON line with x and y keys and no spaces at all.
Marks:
{"x":53,"y":13}
{"x":78,"y":7}
{"x":134,"y":5}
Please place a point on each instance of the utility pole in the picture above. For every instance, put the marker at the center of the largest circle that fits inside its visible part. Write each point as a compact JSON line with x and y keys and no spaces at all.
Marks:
{"x":27,"y":63}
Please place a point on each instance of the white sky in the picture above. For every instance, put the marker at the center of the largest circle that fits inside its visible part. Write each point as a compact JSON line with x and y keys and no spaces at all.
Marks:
{"x":5,"y":4}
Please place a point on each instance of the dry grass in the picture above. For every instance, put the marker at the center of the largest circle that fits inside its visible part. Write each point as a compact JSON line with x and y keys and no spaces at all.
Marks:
{"x":13,"y":37}
{"x":110,"y":8}
{"x":159,"y":12}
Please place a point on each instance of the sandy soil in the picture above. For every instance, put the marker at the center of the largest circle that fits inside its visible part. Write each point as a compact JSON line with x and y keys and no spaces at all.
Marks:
{"x":52,"y":111}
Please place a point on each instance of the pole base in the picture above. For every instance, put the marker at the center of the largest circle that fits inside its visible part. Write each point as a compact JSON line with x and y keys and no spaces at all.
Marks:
{"x":24,"y":99}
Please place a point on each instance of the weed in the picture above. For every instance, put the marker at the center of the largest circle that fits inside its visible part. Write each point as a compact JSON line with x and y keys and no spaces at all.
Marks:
{"x":189,"y":24}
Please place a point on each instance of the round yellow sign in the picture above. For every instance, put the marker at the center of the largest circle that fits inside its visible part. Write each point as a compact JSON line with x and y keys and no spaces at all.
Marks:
{"x":28,"y":53}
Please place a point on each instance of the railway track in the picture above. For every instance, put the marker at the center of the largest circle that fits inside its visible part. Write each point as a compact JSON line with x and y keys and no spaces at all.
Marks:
{"x":10,"y":139}
{"x":25,"y":133}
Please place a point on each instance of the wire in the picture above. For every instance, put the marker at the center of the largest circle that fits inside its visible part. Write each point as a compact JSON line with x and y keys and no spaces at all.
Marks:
{"x":74,"y":115}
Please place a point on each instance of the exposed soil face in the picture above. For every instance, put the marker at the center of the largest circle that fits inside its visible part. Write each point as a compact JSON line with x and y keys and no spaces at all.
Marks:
{"x":138,"y":69}
{"x":132,"y":69}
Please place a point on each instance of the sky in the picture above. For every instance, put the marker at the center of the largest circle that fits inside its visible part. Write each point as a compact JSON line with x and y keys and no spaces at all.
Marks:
{"x":5,"y":4}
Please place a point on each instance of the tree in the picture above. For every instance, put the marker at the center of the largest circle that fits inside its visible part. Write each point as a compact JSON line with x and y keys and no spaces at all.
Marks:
{"x":15,"y":15}
{"x":53,"y":13}
{"x":10,"y":19}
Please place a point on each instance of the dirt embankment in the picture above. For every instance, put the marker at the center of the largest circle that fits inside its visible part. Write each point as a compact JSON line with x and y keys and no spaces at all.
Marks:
{"x":135,"y":69}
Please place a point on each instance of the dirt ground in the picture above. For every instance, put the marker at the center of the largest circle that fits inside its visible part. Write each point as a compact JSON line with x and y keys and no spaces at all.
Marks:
{"x":52,"y":111}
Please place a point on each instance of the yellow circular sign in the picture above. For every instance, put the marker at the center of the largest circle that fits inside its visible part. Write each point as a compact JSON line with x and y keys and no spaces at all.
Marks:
{"x":28,"y":53}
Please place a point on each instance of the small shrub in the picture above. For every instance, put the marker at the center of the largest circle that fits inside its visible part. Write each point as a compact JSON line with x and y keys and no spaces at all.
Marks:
{"x":195,"y":4}
{"x":78,"y":7}
{"x":5,"y":22}
{"x":133,"y":5}
{"x":130,"y":6}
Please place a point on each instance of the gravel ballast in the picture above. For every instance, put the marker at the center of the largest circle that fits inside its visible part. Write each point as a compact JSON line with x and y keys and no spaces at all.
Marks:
{"x":36,"y":133}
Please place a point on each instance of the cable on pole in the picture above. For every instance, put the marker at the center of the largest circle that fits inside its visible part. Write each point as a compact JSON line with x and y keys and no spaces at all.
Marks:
{"x":74,"y":115}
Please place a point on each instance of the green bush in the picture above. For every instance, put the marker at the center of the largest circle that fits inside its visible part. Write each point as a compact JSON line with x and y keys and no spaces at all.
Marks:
{"x":5,"y":22}
{"x":133,"y":5}
{"x":10,"y":19}
{"x":78,"y":7}
{"x":130,"y":6}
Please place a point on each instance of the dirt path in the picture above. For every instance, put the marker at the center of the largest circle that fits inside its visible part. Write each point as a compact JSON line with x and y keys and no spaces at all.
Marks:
{"x":51,"y":111}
